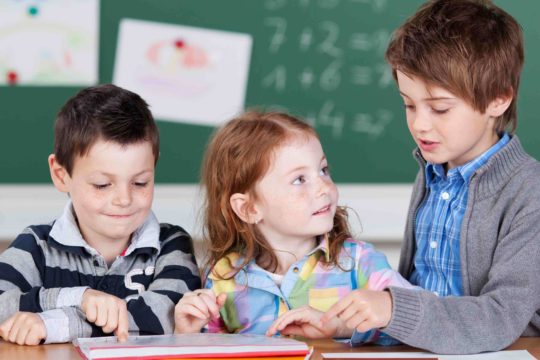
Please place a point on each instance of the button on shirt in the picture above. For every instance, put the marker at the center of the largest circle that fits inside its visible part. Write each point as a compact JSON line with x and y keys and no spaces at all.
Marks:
{"x":438,"y":224}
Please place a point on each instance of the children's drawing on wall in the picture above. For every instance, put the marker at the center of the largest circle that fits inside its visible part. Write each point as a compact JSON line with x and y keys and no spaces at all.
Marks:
{"x":186,"y":74}
{"x":49,"y":42}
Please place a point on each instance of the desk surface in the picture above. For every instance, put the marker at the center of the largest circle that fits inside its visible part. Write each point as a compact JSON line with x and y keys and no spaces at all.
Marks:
{"x":67,"y":351}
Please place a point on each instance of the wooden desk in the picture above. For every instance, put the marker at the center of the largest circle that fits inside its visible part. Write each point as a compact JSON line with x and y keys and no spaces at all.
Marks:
{"x":68,"y":352}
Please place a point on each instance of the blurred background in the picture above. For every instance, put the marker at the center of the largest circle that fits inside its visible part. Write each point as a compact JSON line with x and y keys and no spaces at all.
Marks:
{"x":200,"y":62}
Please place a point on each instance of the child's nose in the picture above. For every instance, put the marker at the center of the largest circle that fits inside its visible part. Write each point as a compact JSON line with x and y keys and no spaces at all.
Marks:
{"x":122,"y":196}
{"x":323,"y":186}
{"x":421,"y":122}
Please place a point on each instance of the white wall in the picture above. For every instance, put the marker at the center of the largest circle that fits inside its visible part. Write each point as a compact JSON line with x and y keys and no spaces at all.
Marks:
{"x":380,"y":209}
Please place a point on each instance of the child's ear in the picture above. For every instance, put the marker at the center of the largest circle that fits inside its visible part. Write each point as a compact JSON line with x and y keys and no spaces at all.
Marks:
{"x":243,"y":208}
{"x":59,"y":174}
{"x":498,"y":106}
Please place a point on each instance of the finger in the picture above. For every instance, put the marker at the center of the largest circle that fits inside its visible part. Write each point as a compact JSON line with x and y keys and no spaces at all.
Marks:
{"x":293,"y":330}
{"x":102,"y":312}
{"x":221,"y":299}
{"x":123,"y":324}
{"x":352,"y":310}
{"x":201,"y":292}
{"x":357,"y":321}
{"x":200,"y":302}
{"x":273,"y":329}
{"x":91,"y":313}
{"x":112,"y":320}
{"x":21,"y":336}
{"x":337,"y":308}
{"x":192,"y":310}
{"x":210,"y":302}
{"x":32,"y":338}
{"x":21,"y":330}
{"x":15,"y":327}
{"x":6,"y":326}
{"x":284,"y":320}
{"x":288,"y":318}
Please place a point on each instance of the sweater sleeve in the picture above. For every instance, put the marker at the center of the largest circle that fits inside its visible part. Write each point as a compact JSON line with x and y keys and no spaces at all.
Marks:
{"x":176,"y":273}
{"x":152,"y":312}
{"x":21,"y":266}
{"x":490,"y":321}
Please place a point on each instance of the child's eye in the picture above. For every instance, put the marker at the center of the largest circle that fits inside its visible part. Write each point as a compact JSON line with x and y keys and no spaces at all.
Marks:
{"x":141,"y":184}
{"x":100,"y":186}
{"x":325,"y":171}
{"x":439,"y":111}
{"x":299,"y":180}
{"x":409,"y":107}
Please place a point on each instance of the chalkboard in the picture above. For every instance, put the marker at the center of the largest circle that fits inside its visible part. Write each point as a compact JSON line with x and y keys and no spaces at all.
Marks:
{"x":319,"y":59}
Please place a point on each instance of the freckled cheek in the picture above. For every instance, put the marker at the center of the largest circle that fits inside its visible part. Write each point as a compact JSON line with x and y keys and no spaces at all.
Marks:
{"x":334,"y":194}
{"x":92,"y":199}
{"x":146,"y":196}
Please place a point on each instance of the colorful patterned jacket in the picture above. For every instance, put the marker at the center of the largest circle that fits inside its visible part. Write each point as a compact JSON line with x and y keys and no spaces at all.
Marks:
{"x":254,"y":300}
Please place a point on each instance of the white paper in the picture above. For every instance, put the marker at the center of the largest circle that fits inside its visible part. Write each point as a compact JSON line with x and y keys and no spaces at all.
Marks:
{"x":186,"y":74}
{"x":51,"y":42}
{"x":500,"y":355}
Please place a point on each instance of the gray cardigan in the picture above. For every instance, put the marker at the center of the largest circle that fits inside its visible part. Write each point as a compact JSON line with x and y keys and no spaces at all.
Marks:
{"x":500,"y":264}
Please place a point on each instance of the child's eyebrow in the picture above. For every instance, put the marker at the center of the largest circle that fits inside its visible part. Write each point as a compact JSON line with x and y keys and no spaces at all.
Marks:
{"x":434,"y":98}
{"x":137,"y":174}
{"x":303,"y":167}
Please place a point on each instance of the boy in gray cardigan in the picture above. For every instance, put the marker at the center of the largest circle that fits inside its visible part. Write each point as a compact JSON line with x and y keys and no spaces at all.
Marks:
{"x":472,"y":239}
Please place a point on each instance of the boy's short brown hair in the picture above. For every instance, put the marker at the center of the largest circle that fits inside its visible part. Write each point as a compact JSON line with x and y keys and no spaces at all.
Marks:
{"x":105,"y":112}
{"x":471,"y":48}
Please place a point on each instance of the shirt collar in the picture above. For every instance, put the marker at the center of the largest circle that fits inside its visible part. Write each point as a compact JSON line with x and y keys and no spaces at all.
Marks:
{"x":435,"y":172}
{"x":65,"y":231}
{"x":224,"y":267}
{"x":323,"y":246}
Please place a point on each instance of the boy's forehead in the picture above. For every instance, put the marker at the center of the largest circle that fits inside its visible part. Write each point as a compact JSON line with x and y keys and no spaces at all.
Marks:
{"x":110,"y":157}
{"x":413,"y":86}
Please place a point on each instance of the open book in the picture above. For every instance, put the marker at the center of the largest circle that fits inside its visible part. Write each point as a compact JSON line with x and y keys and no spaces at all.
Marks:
{"x":189,"y":346}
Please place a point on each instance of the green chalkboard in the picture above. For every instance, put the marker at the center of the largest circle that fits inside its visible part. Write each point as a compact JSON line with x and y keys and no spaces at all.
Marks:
{"x":320,"y":59}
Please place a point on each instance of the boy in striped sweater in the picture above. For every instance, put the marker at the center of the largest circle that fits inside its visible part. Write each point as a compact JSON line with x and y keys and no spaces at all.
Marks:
{"x":106,"y":265}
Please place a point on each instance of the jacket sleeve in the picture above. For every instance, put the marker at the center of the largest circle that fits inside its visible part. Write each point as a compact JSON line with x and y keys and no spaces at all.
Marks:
{"x":176,"y":273}
{"x":490,"y":321}
{"x":374,"y":273}
{"x":217,"y":325}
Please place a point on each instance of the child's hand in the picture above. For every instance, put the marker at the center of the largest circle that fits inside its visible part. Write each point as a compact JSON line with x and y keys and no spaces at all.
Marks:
{"x":362,"y":310}
{"x":23,"y":328}
{"x":106,"y":311}
{"x":306,"y":322}
{"x":196,"y":309}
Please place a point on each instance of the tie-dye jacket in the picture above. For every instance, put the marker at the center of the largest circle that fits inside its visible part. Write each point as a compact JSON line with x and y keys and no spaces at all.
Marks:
{"x":254,"y":300}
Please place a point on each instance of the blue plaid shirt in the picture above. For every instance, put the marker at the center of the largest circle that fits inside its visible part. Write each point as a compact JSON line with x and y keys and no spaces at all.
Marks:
{"x":438,"y":225}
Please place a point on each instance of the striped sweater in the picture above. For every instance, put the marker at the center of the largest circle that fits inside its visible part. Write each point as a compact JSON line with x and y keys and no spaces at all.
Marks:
{"x":48,"y":267}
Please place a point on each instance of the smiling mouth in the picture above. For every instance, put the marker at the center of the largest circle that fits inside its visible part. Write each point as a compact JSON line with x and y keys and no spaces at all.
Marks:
{"x":120,"y":216}
{"x":323,"y":210}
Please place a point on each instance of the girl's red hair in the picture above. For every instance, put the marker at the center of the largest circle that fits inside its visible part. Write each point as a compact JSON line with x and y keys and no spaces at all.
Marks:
{"x":238,"y":155}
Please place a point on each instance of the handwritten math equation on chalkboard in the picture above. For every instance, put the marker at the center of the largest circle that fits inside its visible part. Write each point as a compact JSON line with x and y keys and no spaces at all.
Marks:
{"x":331,"y":63}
